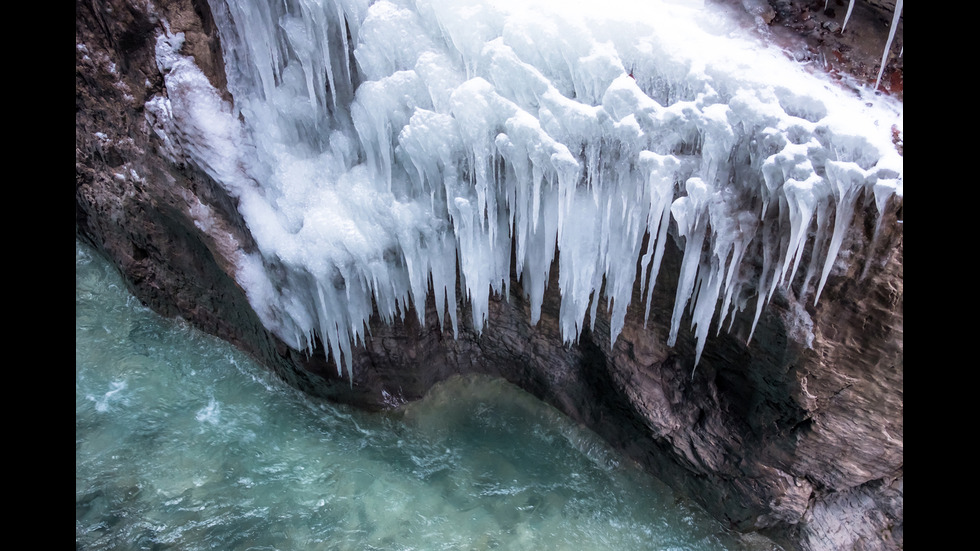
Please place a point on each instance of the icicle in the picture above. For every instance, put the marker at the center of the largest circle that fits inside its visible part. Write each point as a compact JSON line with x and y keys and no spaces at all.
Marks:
{"x":848,"y":180}
{"x":687,"y":211}
{"x":891,"y":35}
{"x":660,"y":182}
{"x":706,"y":304}
{"x":768,"y":246}
{"x":802,"y":201}
{"x":823,"y":220}
{"x":850,"y":8}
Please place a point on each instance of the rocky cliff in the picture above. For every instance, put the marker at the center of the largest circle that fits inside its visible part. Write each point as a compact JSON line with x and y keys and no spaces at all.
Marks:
{"x":798,"y":434}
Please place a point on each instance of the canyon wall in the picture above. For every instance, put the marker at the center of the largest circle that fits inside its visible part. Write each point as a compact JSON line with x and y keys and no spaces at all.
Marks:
{"x":798,"y":434}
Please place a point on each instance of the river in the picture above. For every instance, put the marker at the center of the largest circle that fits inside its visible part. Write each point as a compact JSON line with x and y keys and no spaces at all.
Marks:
{"x":184,"y":442}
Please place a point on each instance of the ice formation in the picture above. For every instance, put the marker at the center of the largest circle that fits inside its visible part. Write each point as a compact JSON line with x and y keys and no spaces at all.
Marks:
{"x":382,"y":149}
{"x":899,"y":4}
{"x":896,"y":15}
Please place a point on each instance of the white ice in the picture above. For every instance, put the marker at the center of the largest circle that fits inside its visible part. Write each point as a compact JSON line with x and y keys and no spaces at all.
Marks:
{"x":381,"y":150}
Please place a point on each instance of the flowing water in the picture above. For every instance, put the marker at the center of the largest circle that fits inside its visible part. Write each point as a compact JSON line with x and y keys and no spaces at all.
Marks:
{"x":183,"y":442}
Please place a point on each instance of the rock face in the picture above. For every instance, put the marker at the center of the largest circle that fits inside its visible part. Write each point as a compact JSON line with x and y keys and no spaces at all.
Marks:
{"x":798,"y":434}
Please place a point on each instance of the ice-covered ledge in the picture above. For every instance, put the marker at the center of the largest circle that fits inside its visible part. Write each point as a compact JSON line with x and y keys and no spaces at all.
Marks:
{"x":464,"y":129}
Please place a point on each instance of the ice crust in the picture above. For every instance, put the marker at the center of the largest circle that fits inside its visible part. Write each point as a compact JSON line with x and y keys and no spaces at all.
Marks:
{"x":381,"y":150}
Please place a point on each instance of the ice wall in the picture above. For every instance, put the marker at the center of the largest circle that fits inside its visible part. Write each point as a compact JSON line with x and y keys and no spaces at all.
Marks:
{"x":381,"y":150}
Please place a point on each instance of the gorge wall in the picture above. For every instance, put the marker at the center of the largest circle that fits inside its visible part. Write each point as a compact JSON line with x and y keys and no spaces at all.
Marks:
{"x":798,"y":434}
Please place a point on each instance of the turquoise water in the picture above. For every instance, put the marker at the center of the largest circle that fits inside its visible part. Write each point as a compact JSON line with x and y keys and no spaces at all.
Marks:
{"x":182,"y":442}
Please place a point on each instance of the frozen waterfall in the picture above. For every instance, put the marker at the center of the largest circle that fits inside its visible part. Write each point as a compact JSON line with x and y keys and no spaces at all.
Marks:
{"x":379,"y":150}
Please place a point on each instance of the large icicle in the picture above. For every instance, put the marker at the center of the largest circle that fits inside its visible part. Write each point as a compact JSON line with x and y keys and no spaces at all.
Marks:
{"x":891,"y":36}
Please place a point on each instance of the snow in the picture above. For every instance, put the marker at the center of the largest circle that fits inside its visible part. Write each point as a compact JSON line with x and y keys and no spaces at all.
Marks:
{"x":381,"y":150}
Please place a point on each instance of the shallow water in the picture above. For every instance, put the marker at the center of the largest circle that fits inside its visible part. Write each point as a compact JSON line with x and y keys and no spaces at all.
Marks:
{"x":183,"y":442}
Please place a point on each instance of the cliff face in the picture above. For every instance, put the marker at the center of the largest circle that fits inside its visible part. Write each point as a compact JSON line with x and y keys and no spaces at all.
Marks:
{"x":798,"y":434}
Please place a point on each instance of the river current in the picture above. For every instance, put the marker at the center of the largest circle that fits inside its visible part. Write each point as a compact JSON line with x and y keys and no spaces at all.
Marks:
{"x":184,"y":442}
